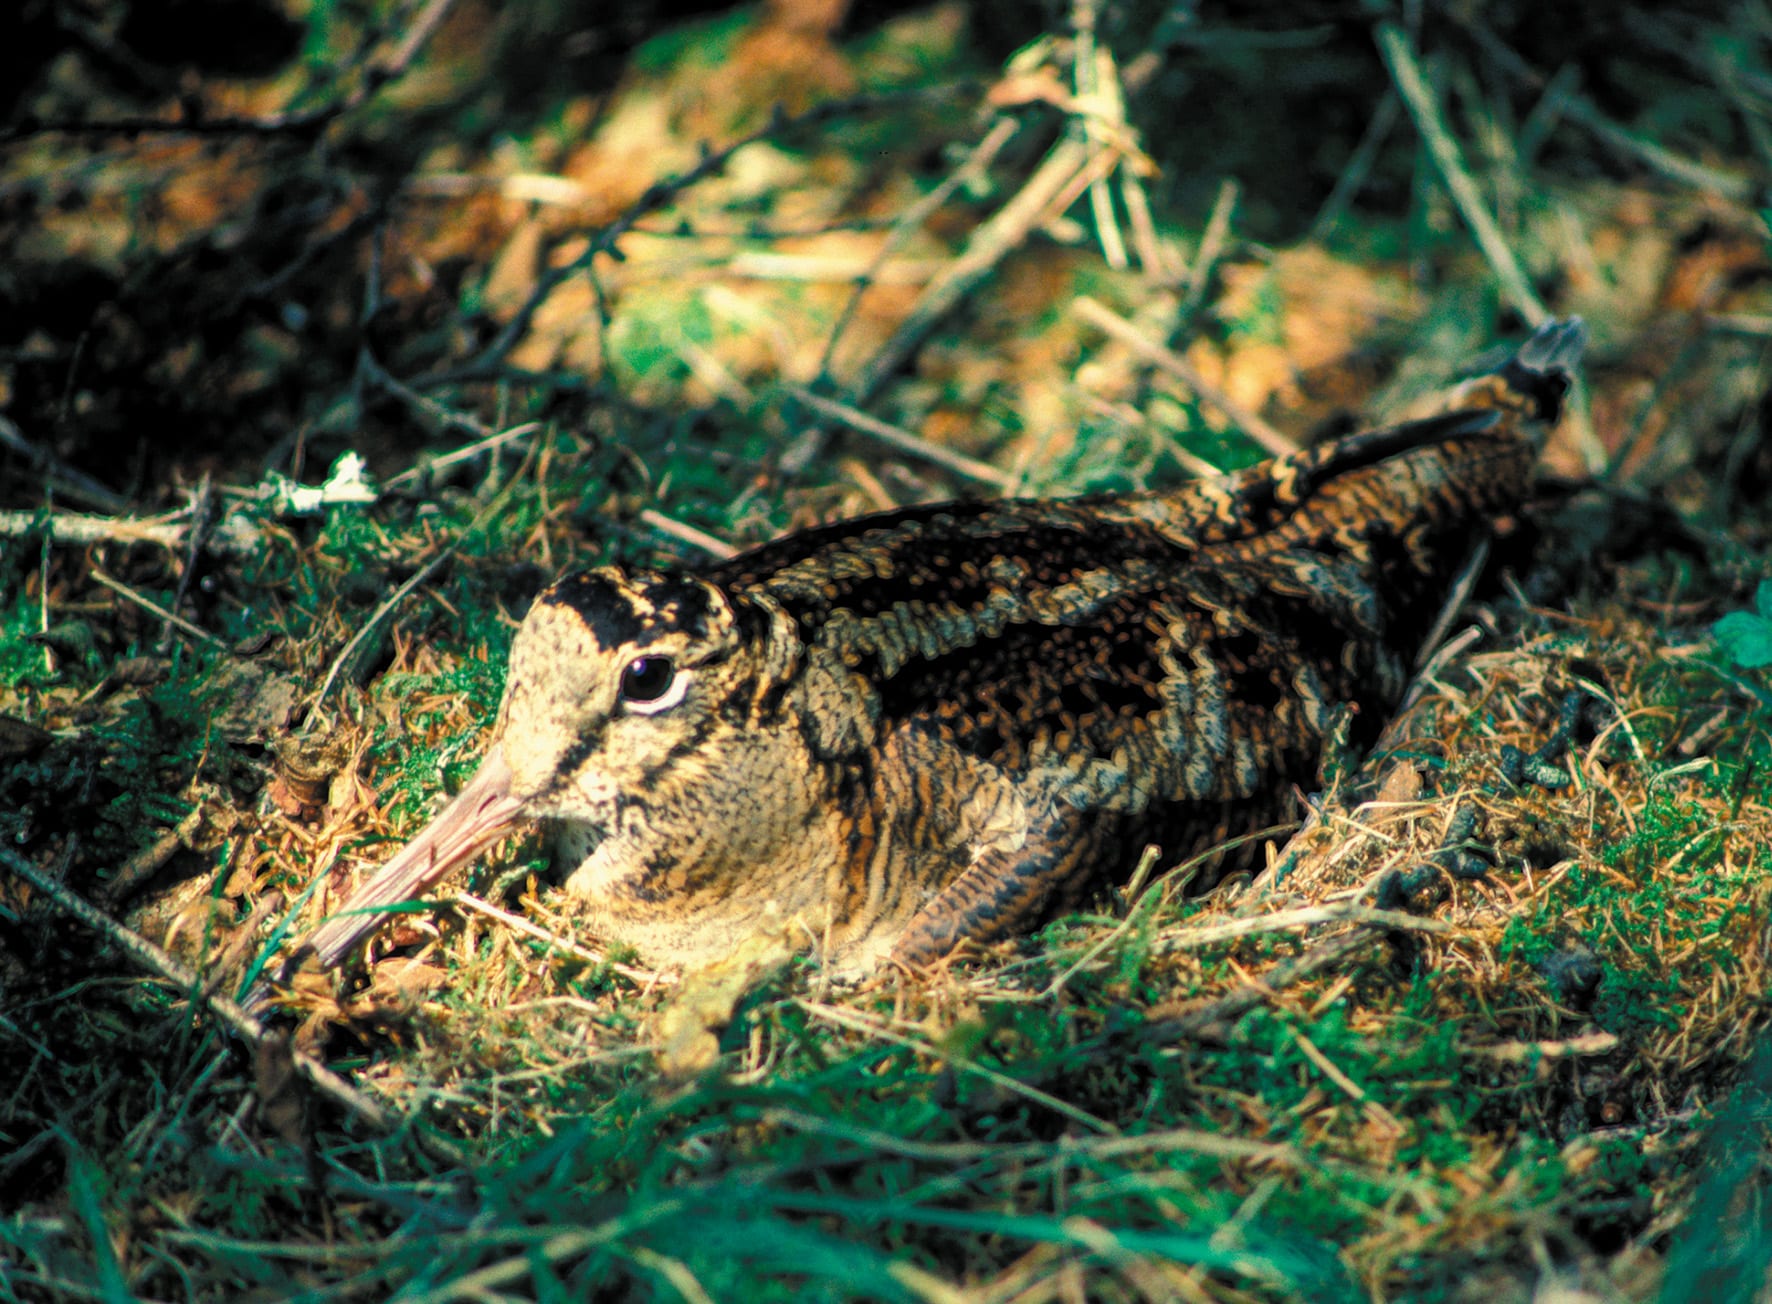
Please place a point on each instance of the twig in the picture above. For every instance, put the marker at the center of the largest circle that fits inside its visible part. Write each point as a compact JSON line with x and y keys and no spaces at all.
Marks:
{"x":981,"y":156}
{"x":1212,"y":242}
{"x":80,"y":530}
{"x":1084,"y":78}
{"x":1131,"y":416}
{"x":1519,"y":1052}
{"x":904,"y":440}
{"x":76,"y":528}
{"x":1118,"y":328}
{"x":145,"y":864}
{"x":1443,"y":149}
{"x":858,"y":1022}
{"x":1434,"y":646}
{"x":380,"y":614}
{"x":202,"y":517}
{"x":1230,"y":1007}
{"x":1187,"y":1140}
{"x":1359,"y":166}
{"x":148,"y":604}
{"x":443,"y":461}
{"x":708,"y":543}
{"x":1374,"y":1112}
{"x":43,"y":606}
{"x":991,"y":242}
{"x":1175,"y":879}
{"x":1158,"y":258}
{"x":1190,"y":936}
{"x":309,"y":122}
{"x":857,"y":271}
{"x":1383,"y":751}
{"x":442,"y":413}
{"x":1542,"y":118}
{"x":1579,"y":109}
{"x":231,"y":1013}
{"x":72,"y":481}
{"x":399,"y":595}
{"x":655,"y":197}
{"x":1757,"y":326}
{"x":644,"y":977}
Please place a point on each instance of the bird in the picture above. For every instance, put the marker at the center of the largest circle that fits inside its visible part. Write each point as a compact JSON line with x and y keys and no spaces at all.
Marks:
{"x":940,"y":725}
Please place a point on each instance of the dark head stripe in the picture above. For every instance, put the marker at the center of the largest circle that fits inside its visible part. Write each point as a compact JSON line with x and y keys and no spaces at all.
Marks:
{"x":618,"y":615}
{"x":607,"y":611}
{"x":680,"y":604}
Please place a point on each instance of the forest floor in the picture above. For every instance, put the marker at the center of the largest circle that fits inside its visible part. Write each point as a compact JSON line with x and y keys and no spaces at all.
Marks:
{"x":332,"y":333}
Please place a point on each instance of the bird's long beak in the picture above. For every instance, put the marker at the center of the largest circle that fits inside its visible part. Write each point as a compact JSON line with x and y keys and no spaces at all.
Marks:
{"x":481,"y":814}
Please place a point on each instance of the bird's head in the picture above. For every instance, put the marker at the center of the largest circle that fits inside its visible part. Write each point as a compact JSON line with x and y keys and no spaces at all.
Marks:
{"x":635,"y":701}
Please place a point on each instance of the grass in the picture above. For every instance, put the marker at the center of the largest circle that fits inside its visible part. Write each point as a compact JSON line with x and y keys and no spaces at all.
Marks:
{"x":1352,"y":1130}
{"x":1349,"y":1131}
{"x":1545,"y":1067}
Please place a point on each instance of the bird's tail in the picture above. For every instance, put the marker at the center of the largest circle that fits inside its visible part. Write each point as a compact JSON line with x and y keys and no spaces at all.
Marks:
{"x":1532,"y":384}
{"x":1484,"y":433}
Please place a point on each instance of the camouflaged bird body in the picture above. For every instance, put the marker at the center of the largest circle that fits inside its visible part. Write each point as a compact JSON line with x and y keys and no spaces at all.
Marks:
{"x":939,"y":724}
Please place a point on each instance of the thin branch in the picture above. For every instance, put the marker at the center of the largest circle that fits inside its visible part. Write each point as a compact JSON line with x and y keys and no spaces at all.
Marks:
{"x":1204,"y":1020}
{"x":71,"y":481}
{"x":1044,"y":194}
{"x":1359,"y":167}
{"x":1176,"y":879}
{"x":905,"y":441}
{"x":192,"y":120}
{"x":1118,"y":328}
{"x":1189,"y":937}
{"x":83,"y":531}
{"x":142,"y":866}
{"x":203,"y":517}
{"x":1212,"y":242}
{"x":381,"y":613}
{"x":1521,"y":1052}
{"x":443,"y":461}
{"x":856,"y":1021}
{"x":1085,"y":72}
{"x":235,"y":1016}
{"x":991,"y":242}
{"x":1443,"y":149}
{"x":1579,"y":109}
{"x":981,"y":156}
{"x":235,"y":535}
{"x":566,"y":946}
{"x":148,"y":604}
{"x":713,"y":546}
{"x":657,"y":196}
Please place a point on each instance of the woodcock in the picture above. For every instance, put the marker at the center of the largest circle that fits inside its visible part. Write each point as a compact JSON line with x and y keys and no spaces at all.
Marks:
{"x":944,"y":723}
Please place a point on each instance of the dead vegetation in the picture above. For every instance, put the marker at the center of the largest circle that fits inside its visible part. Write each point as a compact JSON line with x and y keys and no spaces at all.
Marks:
{"x":1486,"y":1027}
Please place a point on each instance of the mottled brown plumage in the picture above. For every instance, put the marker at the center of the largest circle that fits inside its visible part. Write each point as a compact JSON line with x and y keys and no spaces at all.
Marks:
{"x":939,"y":724}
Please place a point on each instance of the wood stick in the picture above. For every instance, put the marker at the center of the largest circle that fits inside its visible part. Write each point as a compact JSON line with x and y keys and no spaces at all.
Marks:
{"x":1118,"y":328}
{"x":232,"y":1014}
{"x":1443,"y":149}
{"x":234,"y":535}
{"x":75,"y":482}
{"x":708,"y":543}
{"x":1004,"y":231}
{"x":905,"y":441}
{"x":148,"y":604}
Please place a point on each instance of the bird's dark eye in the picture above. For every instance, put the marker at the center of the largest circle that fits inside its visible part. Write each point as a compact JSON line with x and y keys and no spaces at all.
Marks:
{"x":647,"y":679}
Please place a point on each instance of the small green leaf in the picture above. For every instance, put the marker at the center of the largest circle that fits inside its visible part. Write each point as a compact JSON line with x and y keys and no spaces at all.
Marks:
{"x":1746,"y":638}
